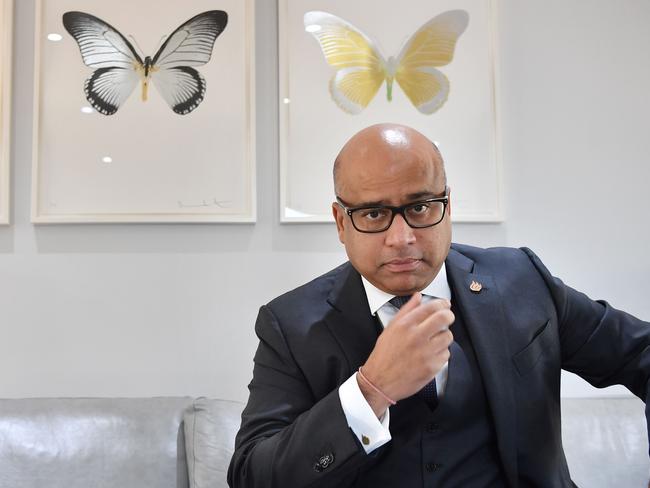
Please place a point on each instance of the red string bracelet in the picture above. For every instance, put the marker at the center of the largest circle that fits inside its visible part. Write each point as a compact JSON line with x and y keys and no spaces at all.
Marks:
{"x":386,"y":397}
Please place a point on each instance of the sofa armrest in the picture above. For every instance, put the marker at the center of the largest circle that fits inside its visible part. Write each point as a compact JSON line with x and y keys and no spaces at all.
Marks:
{"x":210,"y":429}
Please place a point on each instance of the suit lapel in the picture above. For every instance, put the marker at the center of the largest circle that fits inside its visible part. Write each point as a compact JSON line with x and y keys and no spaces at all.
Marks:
{"x":486,"y":326}
{"x":350,"y":321}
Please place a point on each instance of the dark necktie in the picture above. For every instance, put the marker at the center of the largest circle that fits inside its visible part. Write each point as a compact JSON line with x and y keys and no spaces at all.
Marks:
{"x":429,"y":393}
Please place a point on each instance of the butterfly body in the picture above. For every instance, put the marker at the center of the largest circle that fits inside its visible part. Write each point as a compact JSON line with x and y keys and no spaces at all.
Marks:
{"x":361,"y":68}
{"x":119,"y":68}
{"x":391,"y":70}
{"x":148,"y":64}
{"x":145,"y":72}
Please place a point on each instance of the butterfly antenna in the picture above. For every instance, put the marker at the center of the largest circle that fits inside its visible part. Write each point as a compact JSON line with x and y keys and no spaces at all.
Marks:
{"x":135,"y":43}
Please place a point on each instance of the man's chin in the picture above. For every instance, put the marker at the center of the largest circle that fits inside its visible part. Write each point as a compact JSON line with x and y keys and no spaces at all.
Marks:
{"x":404,"y":285}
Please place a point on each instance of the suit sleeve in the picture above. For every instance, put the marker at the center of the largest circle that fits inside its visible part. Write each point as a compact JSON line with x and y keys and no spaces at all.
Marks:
{"x":288,"y":437}
{"x":601,"y":344}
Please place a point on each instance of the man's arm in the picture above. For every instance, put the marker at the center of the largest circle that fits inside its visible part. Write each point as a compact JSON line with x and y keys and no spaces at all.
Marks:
{"x":287,"y":437}
{"x":603,"y":345}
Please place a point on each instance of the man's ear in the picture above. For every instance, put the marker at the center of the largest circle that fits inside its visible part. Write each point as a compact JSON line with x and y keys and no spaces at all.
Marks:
{"x":339,"y":218}
{"x":449,"y":200}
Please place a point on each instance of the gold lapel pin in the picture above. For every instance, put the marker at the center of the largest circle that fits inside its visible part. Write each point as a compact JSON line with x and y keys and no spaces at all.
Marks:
{"x":475,"y":286}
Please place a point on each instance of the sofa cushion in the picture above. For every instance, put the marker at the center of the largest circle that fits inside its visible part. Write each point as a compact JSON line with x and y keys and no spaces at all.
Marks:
{"x":98,"y":442}
{"x":210,"y":429}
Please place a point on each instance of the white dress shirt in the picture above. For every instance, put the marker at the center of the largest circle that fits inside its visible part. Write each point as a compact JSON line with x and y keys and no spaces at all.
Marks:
{"x":371,"y":431}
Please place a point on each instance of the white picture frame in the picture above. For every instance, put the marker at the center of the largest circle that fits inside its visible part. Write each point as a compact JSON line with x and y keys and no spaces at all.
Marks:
{"x":6,"y":31}
{"x":313,"y":128}
{"x":145,"y":163}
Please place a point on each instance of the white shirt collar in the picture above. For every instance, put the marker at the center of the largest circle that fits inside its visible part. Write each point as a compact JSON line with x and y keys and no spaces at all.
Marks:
{"x":439,"y":287}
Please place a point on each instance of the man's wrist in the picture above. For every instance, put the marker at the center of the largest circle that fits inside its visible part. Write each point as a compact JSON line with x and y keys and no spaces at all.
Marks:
{"x":377,"y":402}
{"x":371,"y":431}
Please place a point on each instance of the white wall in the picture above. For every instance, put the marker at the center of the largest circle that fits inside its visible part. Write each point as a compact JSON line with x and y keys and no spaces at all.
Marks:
{"x":139,"y":310}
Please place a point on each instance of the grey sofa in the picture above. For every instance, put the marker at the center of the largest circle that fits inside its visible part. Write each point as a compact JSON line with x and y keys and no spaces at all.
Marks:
{"x":116,"y":442}
{"x":185,"y":442}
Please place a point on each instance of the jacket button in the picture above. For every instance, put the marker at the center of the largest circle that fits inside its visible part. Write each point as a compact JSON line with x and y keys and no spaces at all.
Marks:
{"x":430,"y":467}
{"x":324,"y":462}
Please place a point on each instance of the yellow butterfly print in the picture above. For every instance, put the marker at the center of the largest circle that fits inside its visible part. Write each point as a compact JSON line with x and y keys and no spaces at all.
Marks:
{"x":361,"y":68}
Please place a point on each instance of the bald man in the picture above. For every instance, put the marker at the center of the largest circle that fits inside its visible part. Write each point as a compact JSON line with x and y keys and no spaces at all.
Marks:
{"x":418,"y":362}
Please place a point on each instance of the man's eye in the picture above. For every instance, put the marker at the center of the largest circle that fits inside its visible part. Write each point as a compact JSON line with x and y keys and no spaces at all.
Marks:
{"x":373,"y":213}
{"x":419,"y":208}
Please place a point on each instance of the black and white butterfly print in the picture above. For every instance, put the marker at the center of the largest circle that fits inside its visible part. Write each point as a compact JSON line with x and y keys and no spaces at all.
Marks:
{"x":119,"y":68}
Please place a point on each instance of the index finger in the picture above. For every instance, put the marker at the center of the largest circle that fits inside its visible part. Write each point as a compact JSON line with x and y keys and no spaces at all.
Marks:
{"x":415,"y":312}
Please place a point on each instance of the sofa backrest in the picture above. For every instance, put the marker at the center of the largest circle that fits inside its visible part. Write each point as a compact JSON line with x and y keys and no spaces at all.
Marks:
{"x":184,"y":442}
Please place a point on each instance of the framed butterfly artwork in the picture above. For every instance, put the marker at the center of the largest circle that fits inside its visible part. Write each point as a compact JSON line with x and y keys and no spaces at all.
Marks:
{"x":347,"y":65}
{"x":144,"y":111}
{"x":6,"y":16}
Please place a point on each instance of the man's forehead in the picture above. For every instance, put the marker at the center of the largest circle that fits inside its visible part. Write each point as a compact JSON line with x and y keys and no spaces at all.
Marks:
{"x":376,"y":168}
{"x":383,"y":198}
{"x":391,"y":187}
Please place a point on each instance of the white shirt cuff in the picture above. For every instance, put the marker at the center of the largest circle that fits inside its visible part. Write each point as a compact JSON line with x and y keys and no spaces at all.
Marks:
{"x":371,"y":432}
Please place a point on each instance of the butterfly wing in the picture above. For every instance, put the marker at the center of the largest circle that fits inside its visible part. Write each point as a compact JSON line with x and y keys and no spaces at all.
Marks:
{"x":183,"y":87}
{"x":101,"y":45}
{"x":118,"y":66}
{"x":108,"y":88}
{"x":432,"y":45}
{"x":191,"y":44}
{"x":360,"y":67}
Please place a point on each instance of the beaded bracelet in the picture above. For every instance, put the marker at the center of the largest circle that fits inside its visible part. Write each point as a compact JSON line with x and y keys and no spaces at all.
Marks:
{"x":386,"y":397}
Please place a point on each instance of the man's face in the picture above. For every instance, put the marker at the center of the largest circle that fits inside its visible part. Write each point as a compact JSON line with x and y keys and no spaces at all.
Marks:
{"x":392,"y":169}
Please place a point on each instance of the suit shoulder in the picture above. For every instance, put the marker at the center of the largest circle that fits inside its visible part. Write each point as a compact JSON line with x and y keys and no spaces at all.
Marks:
{"x":316,"y":290}
{"x":498,"y":257}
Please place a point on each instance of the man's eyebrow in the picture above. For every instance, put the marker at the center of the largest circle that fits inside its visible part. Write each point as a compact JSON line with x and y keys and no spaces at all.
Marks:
{"x":376,"y":203}
{"x":422,"y":195}
{"x":411,"y":197}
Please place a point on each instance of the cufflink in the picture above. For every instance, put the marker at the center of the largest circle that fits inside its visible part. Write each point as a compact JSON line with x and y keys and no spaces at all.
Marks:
{"x":365,"y":440}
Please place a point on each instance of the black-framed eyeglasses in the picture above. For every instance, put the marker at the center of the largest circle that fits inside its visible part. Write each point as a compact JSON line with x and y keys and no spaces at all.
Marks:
{"x":378,"y":218}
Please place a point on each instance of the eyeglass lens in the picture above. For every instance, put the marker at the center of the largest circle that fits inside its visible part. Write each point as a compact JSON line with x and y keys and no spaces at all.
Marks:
{"x":376,"y":219}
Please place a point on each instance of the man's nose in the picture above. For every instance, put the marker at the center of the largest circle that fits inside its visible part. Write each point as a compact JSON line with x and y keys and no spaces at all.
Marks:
{"x":399,"y":233}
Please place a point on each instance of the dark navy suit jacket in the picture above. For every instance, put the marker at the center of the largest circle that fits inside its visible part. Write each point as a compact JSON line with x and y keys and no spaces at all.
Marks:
{"x":524,"y":324}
